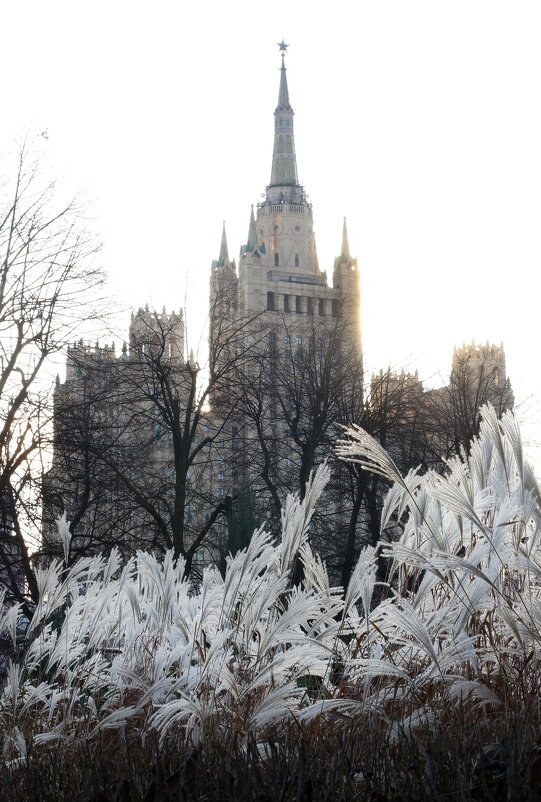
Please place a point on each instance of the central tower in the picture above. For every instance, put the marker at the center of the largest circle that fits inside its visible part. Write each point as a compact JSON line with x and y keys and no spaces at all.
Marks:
{"x":281,"y":234}
{"x":278,"y":267}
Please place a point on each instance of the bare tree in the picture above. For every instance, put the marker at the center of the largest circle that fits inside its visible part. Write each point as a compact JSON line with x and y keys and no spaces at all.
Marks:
{"x":305,"y":379}
{"x":46,"y":286}
{"x":452,"y":416}
{"x":143,"y":425}
{"x":419,"y":429}
{"x":392,"y":412}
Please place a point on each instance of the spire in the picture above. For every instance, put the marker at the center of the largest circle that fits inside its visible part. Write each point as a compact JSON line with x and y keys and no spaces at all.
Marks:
{"x":252,"y":234}
{"x":284,"y":164}
{"x":345,"y":254}
{"x":224,"y":255}
{"x":345,"y":264}
{"x":283,"y":94}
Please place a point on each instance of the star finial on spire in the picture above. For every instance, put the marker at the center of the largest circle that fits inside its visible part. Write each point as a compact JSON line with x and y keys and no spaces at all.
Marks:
{"x":282,"y":47}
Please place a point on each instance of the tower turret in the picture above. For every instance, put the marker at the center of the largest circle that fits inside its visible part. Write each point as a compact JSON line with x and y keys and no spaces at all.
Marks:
{"x":346,"y":283}
{"x":156,"y":335}
{"x":251,"y":242}
{"x":345,"y":273}
{"x":223,"y":282}
{"x":223,"y":269}
{"x":223,"y":258}
{"x":345,"y":254}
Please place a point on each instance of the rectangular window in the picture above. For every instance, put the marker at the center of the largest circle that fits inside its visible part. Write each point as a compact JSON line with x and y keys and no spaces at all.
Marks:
{"x":298,"y":339}
{"x":221,"y":475}
{"x":287,"y":338}
{"x":286,"y":304}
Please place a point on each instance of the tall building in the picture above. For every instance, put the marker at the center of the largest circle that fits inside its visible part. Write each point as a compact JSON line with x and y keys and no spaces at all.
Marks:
{"x":151,"y":450}
{"x":282,"y":342}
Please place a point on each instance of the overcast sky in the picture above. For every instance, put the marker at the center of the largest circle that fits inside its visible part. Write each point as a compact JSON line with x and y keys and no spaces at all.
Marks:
{"x":419,"y":121}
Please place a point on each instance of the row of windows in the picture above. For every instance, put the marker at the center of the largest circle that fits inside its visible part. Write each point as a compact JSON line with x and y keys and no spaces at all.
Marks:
{"x":293,"y":303}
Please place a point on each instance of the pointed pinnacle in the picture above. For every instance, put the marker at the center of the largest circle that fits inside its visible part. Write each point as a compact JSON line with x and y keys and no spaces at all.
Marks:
{"x":224,"y":255}
{"x":283,"y":93}
{"x":252,"y":233}
{"x":345,"y":254}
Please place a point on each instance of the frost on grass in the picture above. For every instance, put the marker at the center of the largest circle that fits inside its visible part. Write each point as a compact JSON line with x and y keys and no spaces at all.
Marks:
{"x":112,"y":646}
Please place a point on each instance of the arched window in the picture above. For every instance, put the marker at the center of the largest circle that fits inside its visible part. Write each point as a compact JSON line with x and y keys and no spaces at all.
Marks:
{"x":276,"y":260}
{"x":296,"y":260}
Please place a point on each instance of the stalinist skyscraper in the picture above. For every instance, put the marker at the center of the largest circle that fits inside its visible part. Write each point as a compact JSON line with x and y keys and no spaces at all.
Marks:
{"x":152,"y":448}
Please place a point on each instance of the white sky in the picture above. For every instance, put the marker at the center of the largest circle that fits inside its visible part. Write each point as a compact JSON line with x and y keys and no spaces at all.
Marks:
{"x":418,"y":120}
